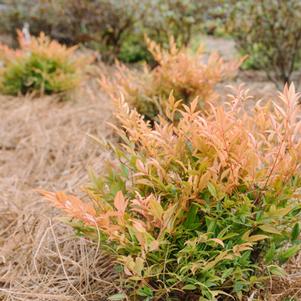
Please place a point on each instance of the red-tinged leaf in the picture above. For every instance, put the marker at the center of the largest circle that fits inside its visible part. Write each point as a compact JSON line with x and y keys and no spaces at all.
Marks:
{"x":154,"y":245}
{"x":155,"y":208}
{"x":120,"y":202}
{"x":218,"y":241}
{"x":71,"y":205}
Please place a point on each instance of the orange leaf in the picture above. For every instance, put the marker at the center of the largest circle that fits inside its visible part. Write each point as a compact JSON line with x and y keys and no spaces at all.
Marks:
{"x":120,"y":202}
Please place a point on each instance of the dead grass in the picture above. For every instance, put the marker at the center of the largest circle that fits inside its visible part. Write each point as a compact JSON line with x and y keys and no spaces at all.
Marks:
{"x":288,"y":288}
{"x":44,"y":143}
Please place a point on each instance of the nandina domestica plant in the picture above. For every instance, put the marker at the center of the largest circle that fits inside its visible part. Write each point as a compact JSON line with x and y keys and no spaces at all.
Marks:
{"x":187,"y":74}
{"x":200,"y":209}
{"x":41,"y":65}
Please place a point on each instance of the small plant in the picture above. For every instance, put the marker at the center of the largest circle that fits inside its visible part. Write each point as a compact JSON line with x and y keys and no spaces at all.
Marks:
{"x":207,"y":208}
{"x":266,"y":30}
{"x":40,"y":66}
{"x":186,"y":74}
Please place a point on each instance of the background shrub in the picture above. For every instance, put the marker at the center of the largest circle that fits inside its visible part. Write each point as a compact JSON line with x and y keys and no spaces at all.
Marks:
{"x":39,"y":15}
{"x":186,"y":74}
{"x":177,"y":18}
{"x":268,"y":32}
{"x":39,"y":66}
{"x":102,"y":24}
{"x":115,"y":28}
{"x":204,"y":209}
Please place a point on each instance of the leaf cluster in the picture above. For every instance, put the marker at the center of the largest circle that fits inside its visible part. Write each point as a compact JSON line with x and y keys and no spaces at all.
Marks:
{"x":39,"y":66}
{"x":178,"y":69}
{"x":203,"y":209}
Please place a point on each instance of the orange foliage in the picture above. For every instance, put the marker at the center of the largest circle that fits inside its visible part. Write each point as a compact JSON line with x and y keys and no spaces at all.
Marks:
{"x":187,"y":75}
{"x":195,"y":195}
{"x":40,"y":65}
{"x":233,"y":147}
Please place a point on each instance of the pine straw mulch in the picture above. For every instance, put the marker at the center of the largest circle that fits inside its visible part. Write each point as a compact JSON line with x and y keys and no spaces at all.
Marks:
{"x":44,"y":144}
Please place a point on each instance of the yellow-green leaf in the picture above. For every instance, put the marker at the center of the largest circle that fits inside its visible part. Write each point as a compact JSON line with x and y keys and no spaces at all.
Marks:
{"x":218,"y":241}
{"x":269,"y":229}
{"x":258,"y":237}
{"x":156,"y":208}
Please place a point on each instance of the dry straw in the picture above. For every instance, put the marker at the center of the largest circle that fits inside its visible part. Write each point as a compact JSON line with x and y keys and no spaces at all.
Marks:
{"x":45,"y":142}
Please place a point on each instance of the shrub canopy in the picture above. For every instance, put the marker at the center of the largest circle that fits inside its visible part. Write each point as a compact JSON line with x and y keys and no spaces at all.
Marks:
{"x":41,"y":66}
{"x":202,"y":208}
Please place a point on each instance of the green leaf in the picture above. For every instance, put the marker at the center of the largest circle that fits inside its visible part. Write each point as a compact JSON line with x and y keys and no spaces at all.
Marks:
{"x":269,"y":229}
{"x":238,"y":286}
{"x":117,"y":297}
{"x":270,"y":253}
{"x":226,"y":273}
{"x":191,"y":217}
{"x":212,"y":190}
{"x":189,"y":287}
{"x":295,"y":232}
{"x":288,"y":253}
{"x":145,"y":291}
{"x":156,"y":208}
{"x":276,"y":270}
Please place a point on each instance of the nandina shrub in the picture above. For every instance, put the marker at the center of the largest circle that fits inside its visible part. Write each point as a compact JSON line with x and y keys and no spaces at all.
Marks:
{"x":207,"y":208}
{"x":187,"y":74}
{"x":41,"y":65}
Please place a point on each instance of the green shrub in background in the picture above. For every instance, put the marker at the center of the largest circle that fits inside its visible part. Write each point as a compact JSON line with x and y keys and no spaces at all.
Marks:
{"x":207,"y":208}
{"x":115,"y":28}
{"x":40,"y":66}
{"x":177,"y":18}
{"x":40,"y":15}
{"x":102,"y":24}
{"x":269,"y":32}
{"x":217,"y":14}
{"x":134,"y":50}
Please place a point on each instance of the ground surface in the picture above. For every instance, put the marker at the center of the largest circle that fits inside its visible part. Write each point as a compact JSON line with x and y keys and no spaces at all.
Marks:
{"x":44,"y":144}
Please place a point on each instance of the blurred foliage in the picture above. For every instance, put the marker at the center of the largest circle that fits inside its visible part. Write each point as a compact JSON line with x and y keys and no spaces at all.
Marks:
{"x":134,"y":50}
{"x":215,"y":22}
{"x":113,"y":27}
{"x":270,"y":32}
{"x":39,"y":66}
{"x":15,"y":13}
{"x":178,"y":70}
{"x":100,"y":24}
{"x":177,"y":18}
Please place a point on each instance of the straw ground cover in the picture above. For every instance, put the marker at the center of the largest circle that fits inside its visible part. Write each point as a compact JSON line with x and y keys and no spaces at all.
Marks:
{"x":44,"y":142}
